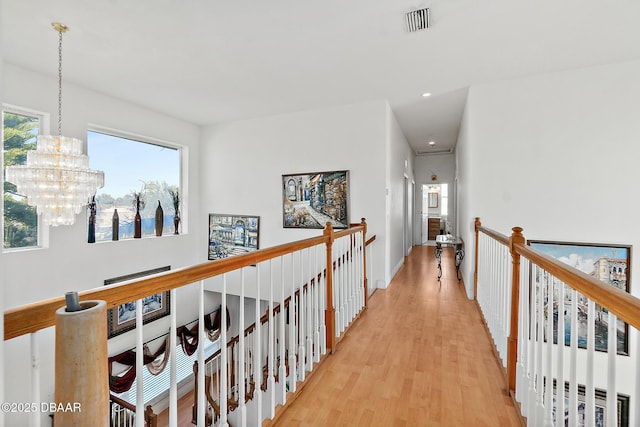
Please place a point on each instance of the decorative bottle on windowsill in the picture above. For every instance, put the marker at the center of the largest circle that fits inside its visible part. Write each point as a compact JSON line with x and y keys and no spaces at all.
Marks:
{"x":176,"y":222}
{"x":138,"y":203}
{"x":115,"y":225}
{"x":175,"y":198}
{"x":159,"y":219}
{"x":91,"y":235}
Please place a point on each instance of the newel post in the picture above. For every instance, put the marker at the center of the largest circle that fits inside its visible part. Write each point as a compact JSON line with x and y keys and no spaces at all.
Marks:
{"x":363,"y":223}
{"x":477,"y":225}
{"x":330,"y":312}
{"x":512,"y":349}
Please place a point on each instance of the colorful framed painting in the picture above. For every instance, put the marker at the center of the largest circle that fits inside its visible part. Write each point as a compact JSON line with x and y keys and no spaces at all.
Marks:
{"x":231,"y":235}
{"x":606,"y":262}
{"x":154,"y":307}
{"x":310,"y":200}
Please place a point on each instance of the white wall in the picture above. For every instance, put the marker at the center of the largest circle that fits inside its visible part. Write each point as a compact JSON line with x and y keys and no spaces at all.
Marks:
{"x":243,"y":163}
{"x":443,"y":166}
{"x":557,"y":155}
{"x":399,"y":164}
{"x":69,"y":263}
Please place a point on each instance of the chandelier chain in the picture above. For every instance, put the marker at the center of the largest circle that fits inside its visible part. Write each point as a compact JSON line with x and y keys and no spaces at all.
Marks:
{"x":60,"y":84}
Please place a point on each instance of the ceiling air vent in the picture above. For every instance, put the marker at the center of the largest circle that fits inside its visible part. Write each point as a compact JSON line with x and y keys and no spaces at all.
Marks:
{"x":434,"y":151}
{"x":417,"y":20}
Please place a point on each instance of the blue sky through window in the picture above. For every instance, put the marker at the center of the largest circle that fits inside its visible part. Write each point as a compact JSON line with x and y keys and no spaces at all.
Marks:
{"x":127,"y":163}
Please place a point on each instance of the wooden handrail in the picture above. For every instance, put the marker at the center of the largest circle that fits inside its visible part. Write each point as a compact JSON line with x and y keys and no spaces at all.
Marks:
{"x":501,"y":238}
{"x":619,"y":302}
{"x":624,"y":305}
{"x":33,"y":317}
{"x":265,"y":317}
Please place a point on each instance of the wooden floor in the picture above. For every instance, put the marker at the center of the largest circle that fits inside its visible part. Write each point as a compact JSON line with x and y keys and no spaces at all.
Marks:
{"x":418,"y":356}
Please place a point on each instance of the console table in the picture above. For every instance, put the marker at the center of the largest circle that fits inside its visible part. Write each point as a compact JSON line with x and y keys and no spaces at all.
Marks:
{"x":455,"y":242}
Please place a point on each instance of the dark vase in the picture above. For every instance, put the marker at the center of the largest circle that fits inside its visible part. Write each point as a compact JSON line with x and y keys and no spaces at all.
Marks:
{"x":137,"y":226}
{"x":159,"y":219}
{"x":176,"y":223}
{"x":115,"y":225}
{"x":92,"y":227}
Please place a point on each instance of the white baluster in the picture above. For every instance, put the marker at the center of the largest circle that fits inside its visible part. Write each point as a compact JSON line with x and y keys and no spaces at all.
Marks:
{"x":345,"y":285}
{"x":293,"y":375}
{"x":548,"y":374}
{"x":257,"y":353}
{"x":316,"y":307}
{"x":241,"y":372}
{"x":573,"y":356}
{"x":139,"y":365}
{"x":202,"y":398}
{"x":560,"y":377}
{"x":531,"y":398}
{"x":301,"y":324}
{"x":224,"y":382}
{"x":523,"y":328}
{"x":173,"y":383}
{"x":322,"y":303}
{"x":612,"y":394}
{"x":310,"y":287}
{"x":34,"y":416}
{"x":590,"y":404}
{"x":271,"y":359}
{"x":282,"y":371}
{"x":539,"y":412}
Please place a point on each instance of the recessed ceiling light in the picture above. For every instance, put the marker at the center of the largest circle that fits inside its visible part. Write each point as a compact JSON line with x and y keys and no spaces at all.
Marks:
{"x":426,"y":94}
{"x":432,"y":143}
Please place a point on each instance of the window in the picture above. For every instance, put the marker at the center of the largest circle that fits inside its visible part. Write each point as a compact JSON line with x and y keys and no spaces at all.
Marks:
{"x":444,"y":191}
{"x":133,"y":166}
{"x":155,"y":386}
{"x":20,"y":223}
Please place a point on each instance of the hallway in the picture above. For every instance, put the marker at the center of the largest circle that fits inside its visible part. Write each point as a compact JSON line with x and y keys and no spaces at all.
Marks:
{"x":419,"y":356}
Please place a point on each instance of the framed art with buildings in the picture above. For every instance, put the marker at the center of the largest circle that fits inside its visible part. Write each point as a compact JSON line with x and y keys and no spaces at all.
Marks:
{"x":310,"y":200}
{"x":231,"y":235}
{"x":609,"y":263}
{"x":123,"y":318}
{"x":600,"y":407}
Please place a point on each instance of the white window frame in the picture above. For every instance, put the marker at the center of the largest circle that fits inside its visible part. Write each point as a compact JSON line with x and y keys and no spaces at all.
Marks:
{"x":44,"y":129}
{"x":183,"y":155}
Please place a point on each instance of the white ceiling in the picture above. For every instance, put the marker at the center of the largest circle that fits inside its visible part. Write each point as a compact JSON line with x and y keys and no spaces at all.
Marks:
{"x":207,"y":61}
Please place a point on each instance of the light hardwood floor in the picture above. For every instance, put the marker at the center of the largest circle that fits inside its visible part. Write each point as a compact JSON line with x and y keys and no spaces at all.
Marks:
{"x":418,"y":356}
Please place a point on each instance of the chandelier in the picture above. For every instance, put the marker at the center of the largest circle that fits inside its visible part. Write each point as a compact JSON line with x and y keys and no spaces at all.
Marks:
{"x":56,"y":177}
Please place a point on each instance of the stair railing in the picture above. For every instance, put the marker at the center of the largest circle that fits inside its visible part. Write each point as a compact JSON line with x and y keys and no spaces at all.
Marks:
{"x":305,"y":328}
{"x":532,"y":304}
{"x":320,"y":315}
{"x":123,"y":414}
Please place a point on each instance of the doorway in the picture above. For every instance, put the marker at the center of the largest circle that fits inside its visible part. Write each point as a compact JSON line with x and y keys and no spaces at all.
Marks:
{"x":435,"y":211}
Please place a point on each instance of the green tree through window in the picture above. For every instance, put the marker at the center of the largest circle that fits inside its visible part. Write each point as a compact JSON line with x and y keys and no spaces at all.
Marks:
{"x":20,"y":219}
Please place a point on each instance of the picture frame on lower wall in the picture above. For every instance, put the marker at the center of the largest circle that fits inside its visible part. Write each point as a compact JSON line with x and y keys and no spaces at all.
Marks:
{"x":231,"y":235}
{"x":600,"y":406}
{"x":123,"y":318}
{"x":609,"y":263}
{"x":310,"y":200}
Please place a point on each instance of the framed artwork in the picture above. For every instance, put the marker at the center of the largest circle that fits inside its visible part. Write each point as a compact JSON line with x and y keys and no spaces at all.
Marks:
{"x":310,"y":200}
{"x":608,"y":263}
{"x":231,"y":235}
{"x":433,"y":200}
{"x":622,"y":402}
{"x":123,"y":318}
